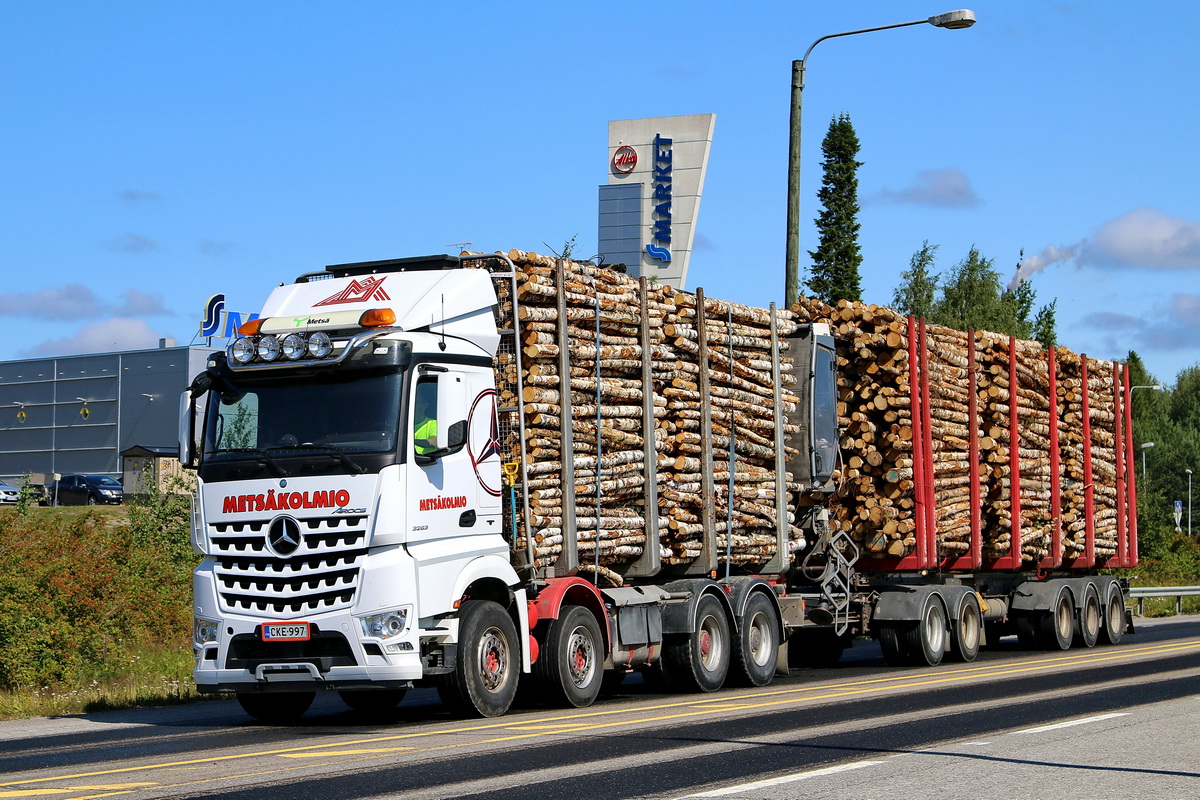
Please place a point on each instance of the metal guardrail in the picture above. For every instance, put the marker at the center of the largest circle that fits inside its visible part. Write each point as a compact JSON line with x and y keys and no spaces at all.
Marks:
{"x":1178,"y":592}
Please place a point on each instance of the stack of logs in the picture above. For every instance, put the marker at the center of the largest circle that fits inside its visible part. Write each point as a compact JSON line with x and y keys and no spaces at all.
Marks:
{"x":875,"y":501}
{"x":605,"y":361}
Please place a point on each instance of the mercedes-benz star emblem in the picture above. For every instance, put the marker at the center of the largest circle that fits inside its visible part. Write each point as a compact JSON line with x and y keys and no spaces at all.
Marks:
{"x":283,"y":536}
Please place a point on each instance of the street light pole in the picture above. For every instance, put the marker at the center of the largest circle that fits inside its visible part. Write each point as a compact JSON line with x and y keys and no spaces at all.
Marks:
{"x":1145,"y":446}
{"x":951,"y":20}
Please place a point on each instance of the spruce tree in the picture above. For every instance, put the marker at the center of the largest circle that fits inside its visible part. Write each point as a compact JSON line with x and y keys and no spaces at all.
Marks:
{"x":834,"y":274}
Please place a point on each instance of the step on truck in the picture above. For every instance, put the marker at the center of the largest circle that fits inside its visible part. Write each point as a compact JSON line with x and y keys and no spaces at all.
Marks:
{"x":497,"y":470}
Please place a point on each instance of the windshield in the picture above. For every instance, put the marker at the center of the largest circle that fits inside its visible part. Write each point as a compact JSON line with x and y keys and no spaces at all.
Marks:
{"x":318,"y":424}
{"x":104,"y":480}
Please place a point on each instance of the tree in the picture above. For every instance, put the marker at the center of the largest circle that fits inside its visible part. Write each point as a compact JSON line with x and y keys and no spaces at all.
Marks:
{"x":971,"y":297}
{"x":918,"y":286}
{"x":834,"y":273}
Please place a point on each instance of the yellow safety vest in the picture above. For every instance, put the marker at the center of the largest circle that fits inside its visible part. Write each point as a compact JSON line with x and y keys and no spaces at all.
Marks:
{"x":424,"y":432}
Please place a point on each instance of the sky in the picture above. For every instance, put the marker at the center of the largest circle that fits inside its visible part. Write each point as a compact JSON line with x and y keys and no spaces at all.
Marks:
{"x":155,"y":153}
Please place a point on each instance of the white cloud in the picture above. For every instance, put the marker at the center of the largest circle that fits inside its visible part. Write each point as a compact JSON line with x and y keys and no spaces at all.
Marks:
{"x":101,"y":337}
{"x":76,"y":301}
{"x":944,"y":188}
{"x":1144,"y":238}
{"x":132,"y":243}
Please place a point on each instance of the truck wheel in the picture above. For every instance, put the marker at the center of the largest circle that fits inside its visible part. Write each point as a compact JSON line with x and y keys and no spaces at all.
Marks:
{"x":892,"y":643}
{"x":699,"y":661}
{"x":1028,"y":636}
{"x":757,"y":644}
{"x":484,"y":681}
{"x":1113,"y":629}
{"x":816,"y":649}
{"x":930,"y":643}
{"x":1089,"y":618}
{"x":571,"y":663}
{"x":1056,"y":626}
{"x":965,"y":638}
{"x":373,"y":701}
{"x":277,"y":708}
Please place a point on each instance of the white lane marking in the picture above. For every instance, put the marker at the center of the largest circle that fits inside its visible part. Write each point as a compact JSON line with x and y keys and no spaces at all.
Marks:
{"x":1072,"y":723}
{"x":799,"y":776}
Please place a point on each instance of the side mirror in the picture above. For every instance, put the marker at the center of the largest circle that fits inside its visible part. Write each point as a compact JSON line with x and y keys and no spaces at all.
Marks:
{"x":187,"y":430}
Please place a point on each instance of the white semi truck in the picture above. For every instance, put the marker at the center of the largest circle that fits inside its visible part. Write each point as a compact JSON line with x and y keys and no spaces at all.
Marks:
{"x":349,"y":545}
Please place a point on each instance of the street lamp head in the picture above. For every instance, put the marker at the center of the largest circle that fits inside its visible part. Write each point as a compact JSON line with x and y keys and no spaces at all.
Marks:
{"x":954,"y":20}
{"x":1188,"y":471}
{"x":1147,"y":444}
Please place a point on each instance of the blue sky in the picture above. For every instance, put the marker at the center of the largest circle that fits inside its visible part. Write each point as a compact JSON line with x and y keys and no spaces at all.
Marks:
{"x":157,"y":153}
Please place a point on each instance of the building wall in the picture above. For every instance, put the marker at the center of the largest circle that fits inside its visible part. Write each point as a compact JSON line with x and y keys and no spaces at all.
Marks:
{"x":78,"y":413}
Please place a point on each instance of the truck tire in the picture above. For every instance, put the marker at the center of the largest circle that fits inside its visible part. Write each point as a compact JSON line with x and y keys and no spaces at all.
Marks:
{"x":893,"y":641}
{"x":1056,"y":625}
{"x":927,"y":639}
{"x":570,"y":666}
{"x":967,"y":626}
{"x":276,"y":708}
{"x":1090,"y":618}
{"x":484,"y":680}
{"x":373,"y":701}
{"x":1113,"y":629}
{"x":699,"y":661}
{"x":757,"y":643}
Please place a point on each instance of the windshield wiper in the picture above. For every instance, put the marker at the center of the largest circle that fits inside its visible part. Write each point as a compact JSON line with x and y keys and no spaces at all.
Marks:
{"x":336,"y":453}
{"x":261,"y":456}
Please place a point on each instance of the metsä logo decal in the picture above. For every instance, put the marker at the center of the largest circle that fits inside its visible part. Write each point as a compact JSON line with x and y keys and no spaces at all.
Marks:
{"x":241,"y":503}
{"x":438,"y":503}
{"x":358,"y":292}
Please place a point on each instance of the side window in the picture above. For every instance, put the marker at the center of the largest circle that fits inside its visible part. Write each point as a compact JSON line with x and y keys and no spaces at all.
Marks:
{"x":425,"y":425}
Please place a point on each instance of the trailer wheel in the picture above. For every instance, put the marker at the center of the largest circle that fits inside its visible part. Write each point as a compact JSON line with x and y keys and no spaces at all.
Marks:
{"x":757,"y":644}
{"x":484,"y":681}
{"x":967,"y":626}
{"x":893,"y":640}
{"x":927,"y":639}
{"x":1090,"y":618}
{"x":1113,"y":629}
{"x":1056,"y":626}
{"x":373,"y":701}
{"x":571,"y":665}
{"x":699,"y":661}
{"x":277,"y":708}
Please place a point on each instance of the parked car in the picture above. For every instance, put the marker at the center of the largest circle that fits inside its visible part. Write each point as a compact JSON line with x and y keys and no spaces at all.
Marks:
{"x":87,"y":490}
{"x":9,"y":494}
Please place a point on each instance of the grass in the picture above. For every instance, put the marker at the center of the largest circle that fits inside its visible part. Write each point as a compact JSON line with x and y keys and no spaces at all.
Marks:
{"x":148,"y":677}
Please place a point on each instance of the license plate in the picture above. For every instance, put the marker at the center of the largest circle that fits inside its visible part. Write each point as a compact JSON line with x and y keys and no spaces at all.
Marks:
{"x":286,"y":632}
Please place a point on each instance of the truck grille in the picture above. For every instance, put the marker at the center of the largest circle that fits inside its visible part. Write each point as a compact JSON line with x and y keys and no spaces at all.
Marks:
{"x":322,"y":575}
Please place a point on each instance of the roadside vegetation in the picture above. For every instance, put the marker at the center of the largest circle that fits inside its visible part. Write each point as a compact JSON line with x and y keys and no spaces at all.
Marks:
{"x":95,"y":609}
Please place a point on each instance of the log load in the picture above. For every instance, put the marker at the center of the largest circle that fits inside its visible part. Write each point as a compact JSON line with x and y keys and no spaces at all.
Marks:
{"x":710,"y":381}
{"x":1009,"y":384}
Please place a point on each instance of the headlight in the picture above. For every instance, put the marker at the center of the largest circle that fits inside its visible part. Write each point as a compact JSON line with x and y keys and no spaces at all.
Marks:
{"x":268,"y":348}
{"x":293,"y":346}
{"x":243,"y":350}
{"x":320,"y":345}
{"x":205,"y":631}
{"x":385,"y":626}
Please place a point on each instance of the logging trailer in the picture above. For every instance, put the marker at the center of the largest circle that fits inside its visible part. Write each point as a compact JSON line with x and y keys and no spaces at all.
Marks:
{"x":469,"y":472}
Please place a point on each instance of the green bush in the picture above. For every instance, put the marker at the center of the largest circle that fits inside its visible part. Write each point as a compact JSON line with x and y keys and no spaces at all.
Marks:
{"x":82,"y":592}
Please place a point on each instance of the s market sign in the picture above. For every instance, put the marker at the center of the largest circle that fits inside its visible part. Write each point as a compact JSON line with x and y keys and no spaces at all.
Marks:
{"x":661,"y":232}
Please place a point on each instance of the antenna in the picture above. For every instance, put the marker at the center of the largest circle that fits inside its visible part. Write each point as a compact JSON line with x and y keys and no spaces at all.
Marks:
{"x":460,"y":245}
{"x":442,"y":343}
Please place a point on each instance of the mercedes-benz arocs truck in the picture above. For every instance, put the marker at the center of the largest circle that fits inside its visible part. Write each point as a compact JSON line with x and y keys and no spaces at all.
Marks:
{"x":478,"y":471}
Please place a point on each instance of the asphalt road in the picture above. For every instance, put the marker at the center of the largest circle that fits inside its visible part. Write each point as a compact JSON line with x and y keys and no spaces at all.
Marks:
{"x":1117,"y":722}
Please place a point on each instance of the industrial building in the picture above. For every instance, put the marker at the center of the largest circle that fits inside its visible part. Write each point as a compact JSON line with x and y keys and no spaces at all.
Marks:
{"x":80,"y":413}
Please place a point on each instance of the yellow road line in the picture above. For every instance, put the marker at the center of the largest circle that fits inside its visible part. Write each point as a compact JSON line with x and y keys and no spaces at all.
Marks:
{"x":579,"y":721}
